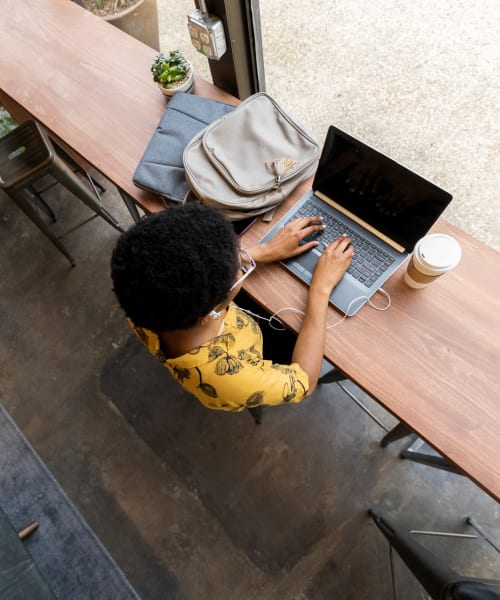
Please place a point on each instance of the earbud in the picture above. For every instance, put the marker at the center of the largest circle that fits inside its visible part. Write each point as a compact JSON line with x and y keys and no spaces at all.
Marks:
{"x":213,"y":314}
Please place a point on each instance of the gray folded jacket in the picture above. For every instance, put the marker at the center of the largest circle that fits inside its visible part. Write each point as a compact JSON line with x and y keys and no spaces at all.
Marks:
{"x":161,"y":169}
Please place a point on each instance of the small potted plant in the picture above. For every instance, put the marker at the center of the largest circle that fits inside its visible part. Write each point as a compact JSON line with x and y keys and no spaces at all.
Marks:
{"x":173,"y":72}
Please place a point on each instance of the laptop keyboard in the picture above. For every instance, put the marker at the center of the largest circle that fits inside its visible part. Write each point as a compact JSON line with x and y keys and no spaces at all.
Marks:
{"x":368,"y":261}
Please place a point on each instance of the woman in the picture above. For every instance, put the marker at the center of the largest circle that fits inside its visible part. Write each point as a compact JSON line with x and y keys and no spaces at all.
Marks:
{"x":176,"y":273}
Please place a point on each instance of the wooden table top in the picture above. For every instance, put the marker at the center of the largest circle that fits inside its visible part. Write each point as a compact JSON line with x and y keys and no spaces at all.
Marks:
{"x":87,"y":82}
{"x":432,"y":359}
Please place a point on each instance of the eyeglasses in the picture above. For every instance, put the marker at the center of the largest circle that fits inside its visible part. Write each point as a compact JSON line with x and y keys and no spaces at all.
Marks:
{"x":247,"y":265}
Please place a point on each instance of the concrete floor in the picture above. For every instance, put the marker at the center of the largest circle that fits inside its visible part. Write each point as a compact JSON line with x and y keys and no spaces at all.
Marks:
{"x":195,"y":504}
{"x":191,"y":503}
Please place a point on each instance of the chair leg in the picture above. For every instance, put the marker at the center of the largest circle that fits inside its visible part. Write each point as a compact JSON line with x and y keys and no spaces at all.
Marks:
{"x":130,"y":204}
{"x":23,"y":200}
{"x":475,"y":525}
{"x":78,"y":168}
{"x":39,"y":201}
{"x":256,"y":414}
{"x":94,"y":184}
{"x":64,"y":175}
{"x":432,"y":572}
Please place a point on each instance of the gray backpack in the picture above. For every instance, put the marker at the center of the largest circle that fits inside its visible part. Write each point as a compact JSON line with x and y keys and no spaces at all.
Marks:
{"x":251,"y":159}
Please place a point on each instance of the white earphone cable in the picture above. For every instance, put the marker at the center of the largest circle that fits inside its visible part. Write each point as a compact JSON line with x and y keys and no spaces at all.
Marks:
{"x":274,"y":318}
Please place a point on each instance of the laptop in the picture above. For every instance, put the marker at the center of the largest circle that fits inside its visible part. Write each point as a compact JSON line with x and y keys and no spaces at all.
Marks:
{"x":383,"y":206}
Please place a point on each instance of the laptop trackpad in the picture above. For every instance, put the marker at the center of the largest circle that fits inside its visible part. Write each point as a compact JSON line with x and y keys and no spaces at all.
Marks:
{"x":306,"y":261}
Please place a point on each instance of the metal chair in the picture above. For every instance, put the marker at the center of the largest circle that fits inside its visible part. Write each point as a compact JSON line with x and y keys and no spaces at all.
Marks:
{"x":439,"y":580}
{"x":256,"y":414}
{"x":26,"y":155}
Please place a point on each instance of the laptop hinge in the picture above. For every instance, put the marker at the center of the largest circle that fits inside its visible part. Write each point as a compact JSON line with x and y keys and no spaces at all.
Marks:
{"x":359,"y":221}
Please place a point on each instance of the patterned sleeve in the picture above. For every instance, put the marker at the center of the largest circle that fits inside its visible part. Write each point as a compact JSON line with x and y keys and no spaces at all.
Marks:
{"x":225,"y":375}
{"x":254,"y":385}
{"x":279,"y":384}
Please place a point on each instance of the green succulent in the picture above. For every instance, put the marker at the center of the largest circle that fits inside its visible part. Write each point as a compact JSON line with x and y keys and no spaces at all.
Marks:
{"x":169,"y":69}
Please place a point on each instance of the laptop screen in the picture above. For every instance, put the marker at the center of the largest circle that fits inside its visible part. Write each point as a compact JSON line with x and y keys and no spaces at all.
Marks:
{"x":392,"y":199}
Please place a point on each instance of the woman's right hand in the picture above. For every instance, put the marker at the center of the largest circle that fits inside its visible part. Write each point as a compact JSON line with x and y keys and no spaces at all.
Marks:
{"x":332,"y":265}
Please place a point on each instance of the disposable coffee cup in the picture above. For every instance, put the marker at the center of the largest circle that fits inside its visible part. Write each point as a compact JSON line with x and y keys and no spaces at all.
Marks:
{"x":433,"y":256}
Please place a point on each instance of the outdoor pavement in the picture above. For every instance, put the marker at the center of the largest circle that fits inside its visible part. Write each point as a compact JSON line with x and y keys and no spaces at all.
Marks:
{"x":418,"y":81}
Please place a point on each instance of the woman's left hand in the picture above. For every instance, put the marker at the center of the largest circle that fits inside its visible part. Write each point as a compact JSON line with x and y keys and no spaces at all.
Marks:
{"x":286,"y":242}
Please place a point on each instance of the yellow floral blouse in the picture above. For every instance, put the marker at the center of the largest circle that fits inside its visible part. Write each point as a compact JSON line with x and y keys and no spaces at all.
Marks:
{"x":229,"y":372}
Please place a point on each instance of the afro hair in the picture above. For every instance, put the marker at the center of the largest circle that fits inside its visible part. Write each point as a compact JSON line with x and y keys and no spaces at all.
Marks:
{"x":175,"y":266}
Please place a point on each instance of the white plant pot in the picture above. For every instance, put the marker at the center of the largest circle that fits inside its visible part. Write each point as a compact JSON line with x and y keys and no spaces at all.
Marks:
{"x":184,"y":86}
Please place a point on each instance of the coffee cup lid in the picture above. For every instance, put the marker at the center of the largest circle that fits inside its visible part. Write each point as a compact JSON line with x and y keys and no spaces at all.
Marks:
{"x":439,"y":252}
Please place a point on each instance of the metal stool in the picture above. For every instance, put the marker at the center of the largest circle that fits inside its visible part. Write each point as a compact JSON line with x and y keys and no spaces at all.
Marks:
{"x":440,"y":581}
{"x":256,"y":413}
{"x":26,"y":155}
